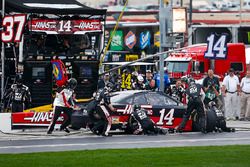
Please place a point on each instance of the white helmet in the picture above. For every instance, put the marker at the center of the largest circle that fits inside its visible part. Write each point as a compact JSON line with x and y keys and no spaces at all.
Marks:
{"x":140,"y":78}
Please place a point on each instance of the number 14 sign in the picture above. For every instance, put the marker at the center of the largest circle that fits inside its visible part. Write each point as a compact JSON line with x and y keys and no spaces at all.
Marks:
{"x":216,"y":47}
{"x":13,"y":28}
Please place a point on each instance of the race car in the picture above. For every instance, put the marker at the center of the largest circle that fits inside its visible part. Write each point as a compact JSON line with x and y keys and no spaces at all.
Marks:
{"x":165,"y":111}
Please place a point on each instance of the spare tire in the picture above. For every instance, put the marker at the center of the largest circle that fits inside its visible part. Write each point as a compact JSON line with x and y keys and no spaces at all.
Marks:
{"x":197,"y":121}
{"x":211,"y":120}
{"x":79,"y":119}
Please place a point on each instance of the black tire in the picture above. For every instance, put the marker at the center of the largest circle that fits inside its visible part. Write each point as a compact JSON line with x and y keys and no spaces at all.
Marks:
{"x":132,"y":125}
{"x":79,"y":120}
{"x":211,"y":120}
{"x":210,"y":123}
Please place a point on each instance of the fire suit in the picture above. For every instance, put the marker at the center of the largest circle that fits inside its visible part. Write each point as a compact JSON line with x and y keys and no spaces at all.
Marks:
{"x":100,"y":120}
{"x":145,"y":123}
{"x":194,"y":103}
{"x":18,"y":94}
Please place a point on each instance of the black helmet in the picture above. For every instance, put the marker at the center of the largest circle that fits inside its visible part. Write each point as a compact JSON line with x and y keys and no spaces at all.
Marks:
{"x":98,"y":96}
{"x":191,"y":81}
{"x":72,"y":82}
{"x":136,"y":107}
{"x":19,"y":79}
{"x":109,"y":87}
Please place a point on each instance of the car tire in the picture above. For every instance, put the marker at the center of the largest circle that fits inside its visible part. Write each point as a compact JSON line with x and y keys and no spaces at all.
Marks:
{"x":211,"y":120}
{"x":132,"y":125}
{"x":78,"y":120}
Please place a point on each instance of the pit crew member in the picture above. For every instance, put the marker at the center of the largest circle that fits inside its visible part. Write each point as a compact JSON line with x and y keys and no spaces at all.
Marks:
{"x":64,"y":101}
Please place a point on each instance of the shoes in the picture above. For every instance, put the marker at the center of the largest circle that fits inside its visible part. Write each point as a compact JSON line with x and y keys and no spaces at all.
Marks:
{"x":49,"y":132}
{"x":178,"y":129}
{"x":242,"y":119}
{"x":106,"y":135}
{"x":164,"y":131}
{"x":204,"y":131}
{"x":65,"y":129}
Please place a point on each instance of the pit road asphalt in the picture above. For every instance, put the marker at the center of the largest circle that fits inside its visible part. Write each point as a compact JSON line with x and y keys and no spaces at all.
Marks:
{"x":30,"y":141}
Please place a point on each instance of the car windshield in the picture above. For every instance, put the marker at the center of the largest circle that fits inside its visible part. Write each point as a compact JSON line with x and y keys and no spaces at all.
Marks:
{"x":177,"y":66}
{"x":120,"y":97}
{"x":160,"y":99}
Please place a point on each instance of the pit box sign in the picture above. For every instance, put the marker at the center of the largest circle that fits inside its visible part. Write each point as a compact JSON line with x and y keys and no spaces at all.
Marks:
{"x":145,"y":38}
{"x":216,"y":46}
{"x":65,"y":26}
{"x":34,"y":119}
{"x":117,"y":41}
{"x":130,"y":40}
{"x":13,"y":26}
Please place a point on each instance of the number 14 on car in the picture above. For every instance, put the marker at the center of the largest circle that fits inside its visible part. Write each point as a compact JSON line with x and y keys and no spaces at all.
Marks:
{"x":167,"y":116}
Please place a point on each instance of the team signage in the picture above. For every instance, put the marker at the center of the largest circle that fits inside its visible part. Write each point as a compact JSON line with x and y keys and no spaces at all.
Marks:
{"x":13,"y":28}
{"x":130,"y":40}
{"x":216,"y":47}
{"x":65,"y":26}
{"x":34,"y":118}
{"x":145,"y":38}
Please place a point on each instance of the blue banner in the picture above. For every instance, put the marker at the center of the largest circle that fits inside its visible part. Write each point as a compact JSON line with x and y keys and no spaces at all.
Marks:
{"x":145,"y":38}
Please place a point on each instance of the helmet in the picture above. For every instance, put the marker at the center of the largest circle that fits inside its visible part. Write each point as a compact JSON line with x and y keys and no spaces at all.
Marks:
{"x":72,"y":82}
{"x":125,"y":70}
{"x":19,"y":80}
{"x":109,"y":86}
{"x":191,"y":81}
{"x":99,"y":95}
{"x":140,"y":78}
{"x":136,"y":107}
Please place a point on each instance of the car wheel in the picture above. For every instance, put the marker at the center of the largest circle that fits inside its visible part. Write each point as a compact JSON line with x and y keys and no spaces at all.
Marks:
{"x":132,"y":125}
{"x":79,"y":120}
{"x":211,"y":120}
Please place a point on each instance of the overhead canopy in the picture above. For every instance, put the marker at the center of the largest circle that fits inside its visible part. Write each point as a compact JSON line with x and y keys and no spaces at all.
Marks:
{"x":63,"y":7}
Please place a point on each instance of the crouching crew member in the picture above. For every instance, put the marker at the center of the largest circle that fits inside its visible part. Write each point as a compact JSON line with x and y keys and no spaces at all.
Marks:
{"x":100,"y":119}
{"x":146,"y":125}
{"x":194,"y":92}
{"x":64,"y":103}
{"x":18,"y":94}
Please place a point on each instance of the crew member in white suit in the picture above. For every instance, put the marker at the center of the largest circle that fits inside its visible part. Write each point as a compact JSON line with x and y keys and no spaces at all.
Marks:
{"x":230,"y":91}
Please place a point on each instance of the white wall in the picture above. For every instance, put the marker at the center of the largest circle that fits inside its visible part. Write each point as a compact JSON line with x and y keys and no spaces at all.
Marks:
{"x":5,"y":123}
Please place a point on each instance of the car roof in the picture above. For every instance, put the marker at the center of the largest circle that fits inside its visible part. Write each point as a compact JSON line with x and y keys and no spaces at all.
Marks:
{"x":124,"y":94}
{"x":118,"y":96}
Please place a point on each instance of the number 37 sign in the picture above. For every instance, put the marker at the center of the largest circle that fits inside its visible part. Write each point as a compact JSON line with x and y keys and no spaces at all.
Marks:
{"x":216,"y":47}
{"x":13,"y":28}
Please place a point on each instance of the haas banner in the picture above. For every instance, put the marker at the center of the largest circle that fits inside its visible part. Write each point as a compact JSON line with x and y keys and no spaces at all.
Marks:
{"x":65,"y":26}
{"x":59,"y":72}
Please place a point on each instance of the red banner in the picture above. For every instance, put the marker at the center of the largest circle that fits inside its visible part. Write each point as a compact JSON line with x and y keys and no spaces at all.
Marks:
{"x":65,"y":26}
{"x":34,"y":118}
